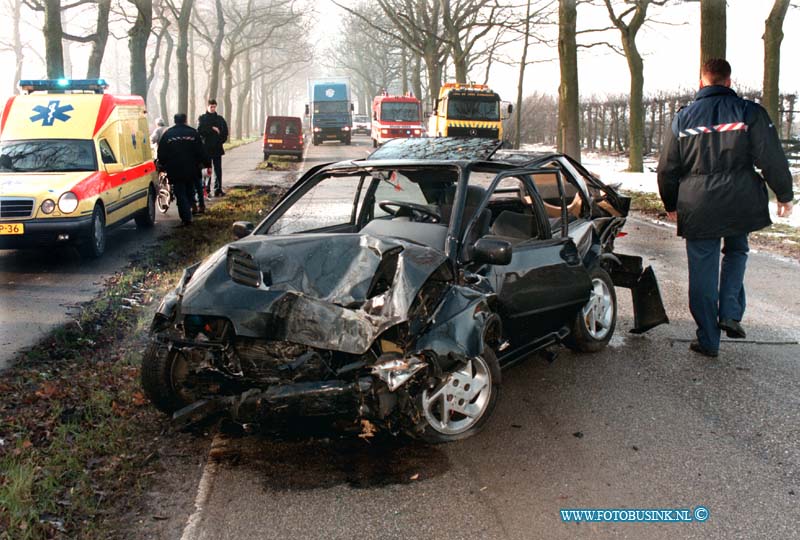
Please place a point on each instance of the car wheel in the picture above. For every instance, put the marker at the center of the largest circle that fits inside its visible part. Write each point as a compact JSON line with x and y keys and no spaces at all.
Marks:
{"x":594,"y":324}
{"x":164,"y":371}
{"x":146,"y":217}
{"x":266,"y":156}
{"x":95,"y":245}
{"x":460,"y":406}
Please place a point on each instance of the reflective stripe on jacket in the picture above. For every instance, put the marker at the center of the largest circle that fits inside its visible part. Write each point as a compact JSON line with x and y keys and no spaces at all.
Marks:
{"x":707,"y":166}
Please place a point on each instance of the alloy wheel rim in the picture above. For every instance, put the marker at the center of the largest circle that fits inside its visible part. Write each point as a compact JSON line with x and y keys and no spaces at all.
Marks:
{"x":598,"y":313}
{"x":461,"y":400}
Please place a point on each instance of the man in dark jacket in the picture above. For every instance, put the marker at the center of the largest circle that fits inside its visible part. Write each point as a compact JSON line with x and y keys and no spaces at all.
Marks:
{"x":708,"y":182}
{"x":181,"y":155}
{"x":214,"y":130}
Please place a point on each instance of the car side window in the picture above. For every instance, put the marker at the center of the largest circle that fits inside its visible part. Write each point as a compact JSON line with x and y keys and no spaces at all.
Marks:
{"x":329,"y":204}
{"x":397,"y":187}
{"x":106,"y":153}
{"x":551,"y":187}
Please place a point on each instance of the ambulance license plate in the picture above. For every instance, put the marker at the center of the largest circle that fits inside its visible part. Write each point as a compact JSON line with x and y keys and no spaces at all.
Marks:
{"x":12,"y":228}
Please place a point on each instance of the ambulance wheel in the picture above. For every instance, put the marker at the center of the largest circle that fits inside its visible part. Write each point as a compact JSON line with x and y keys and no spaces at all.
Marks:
{"x":146,"y":217}
{"x":95,"y":244}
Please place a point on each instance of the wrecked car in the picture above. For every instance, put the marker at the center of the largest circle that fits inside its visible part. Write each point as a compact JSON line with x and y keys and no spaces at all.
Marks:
{"x":394,"y":290}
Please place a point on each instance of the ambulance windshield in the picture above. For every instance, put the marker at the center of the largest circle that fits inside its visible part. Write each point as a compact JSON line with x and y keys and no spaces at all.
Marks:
{"x":47,"y":156}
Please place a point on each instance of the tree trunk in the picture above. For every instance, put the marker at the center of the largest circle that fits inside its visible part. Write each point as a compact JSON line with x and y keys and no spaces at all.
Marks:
{"x":137,"y":45}
{"x":99,"y":43}
{"x":19,"y":55}
{"x":790,"y":115}
{"x":228,"y":91}
{"x":162,"y":97}
{"x":568,"y":110}
{"x":216,"y":53}
{"x":416,"y":79}
{"x":246,"y":81}
{"x":713,"y":30}
{"x":520,"y":80}
{"x":773,"y":35}
{"x":192,"y":80}
{"x":53,"y":33}
{"x":182,"y":53}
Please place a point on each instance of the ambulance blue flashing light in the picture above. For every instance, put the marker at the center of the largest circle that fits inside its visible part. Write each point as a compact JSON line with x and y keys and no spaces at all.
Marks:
{"x":63,"y":85}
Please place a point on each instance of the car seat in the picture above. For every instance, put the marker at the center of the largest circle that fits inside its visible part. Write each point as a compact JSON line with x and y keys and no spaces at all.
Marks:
{"x":475,"y":195}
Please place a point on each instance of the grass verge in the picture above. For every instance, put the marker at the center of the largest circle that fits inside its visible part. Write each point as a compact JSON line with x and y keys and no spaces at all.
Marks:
{"x":230,"y":145}
{"x":77,"y":436}
{"x":777,"y":238}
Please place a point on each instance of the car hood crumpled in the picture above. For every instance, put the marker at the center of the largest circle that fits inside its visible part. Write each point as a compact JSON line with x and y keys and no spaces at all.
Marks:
{"x":315,"y":289}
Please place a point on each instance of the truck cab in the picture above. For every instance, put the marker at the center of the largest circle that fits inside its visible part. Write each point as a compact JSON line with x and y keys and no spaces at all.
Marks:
{"x":330,"y":111}
{"x":468,"y":110}
{"x":395,"y":117}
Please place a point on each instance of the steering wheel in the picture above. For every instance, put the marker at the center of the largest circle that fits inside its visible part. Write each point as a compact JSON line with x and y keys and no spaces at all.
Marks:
{"x":424,"y":213}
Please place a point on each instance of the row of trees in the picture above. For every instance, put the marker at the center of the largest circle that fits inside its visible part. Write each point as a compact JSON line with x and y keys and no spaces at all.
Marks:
{"x":247,"y":54}
{"x":388,"y":41}
{"x":603,"y":123}
{"x":254,"y":55}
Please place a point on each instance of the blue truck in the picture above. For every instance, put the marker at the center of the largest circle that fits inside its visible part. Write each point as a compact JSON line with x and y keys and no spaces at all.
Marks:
{"x":329,"y":110}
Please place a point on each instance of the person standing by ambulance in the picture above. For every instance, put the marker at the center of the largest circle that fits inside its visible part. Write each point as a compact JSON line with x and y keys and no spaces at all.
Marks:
{"x":181,"y":154}
{"x":708,"y":181}
{"x":214,"y":130}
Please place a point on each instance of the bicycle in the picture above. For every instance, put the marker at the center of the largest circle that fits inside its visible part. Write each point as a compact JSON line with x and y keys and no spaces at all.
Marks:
{"x":165,"y":193}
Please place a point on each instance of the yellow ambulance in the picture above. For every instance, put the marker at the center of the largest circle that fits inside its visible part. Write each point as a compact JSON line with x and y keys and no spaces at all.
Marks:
{"x":74,"y":163}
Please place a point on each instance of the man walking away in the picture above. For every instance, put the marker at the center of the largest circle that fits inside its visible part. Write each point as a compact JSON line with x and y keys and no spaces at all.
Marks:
{"x":181,"y":155}
{"x":708,"y":182}
{"x":214,"y":130}
{"x":158,"y":132}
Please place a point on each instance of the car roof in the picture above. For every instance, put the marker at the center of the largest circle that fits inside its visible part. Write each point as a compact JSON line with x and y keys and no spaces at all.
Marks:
{"x":437,"y":148}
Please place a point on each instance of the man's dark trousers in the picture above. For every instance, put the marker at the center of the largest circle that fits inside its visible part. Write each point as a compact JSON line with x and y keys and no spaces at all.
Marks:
{"x":184,"y":195}
{"x":715,"y":294}
{"x":217,"y":162}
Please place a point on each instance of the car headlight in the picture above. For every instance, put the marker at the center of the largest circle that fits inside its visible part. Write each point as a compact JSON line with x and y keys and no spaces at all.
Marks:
{"x":48,"y":206}
{"x":68,"y":202}
{"x":345,"y":128}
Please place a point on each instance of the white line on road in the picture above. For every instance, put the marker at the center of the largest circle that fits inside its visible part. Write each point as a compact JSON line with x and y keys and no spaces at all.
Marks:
{"x":191,"y":531}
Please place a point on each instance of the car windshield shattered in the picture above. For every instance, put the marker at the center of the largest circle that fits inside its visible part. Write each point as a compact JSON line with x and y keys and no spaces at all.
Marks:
{"x":391,"y":293}
{"x":47,"y":156}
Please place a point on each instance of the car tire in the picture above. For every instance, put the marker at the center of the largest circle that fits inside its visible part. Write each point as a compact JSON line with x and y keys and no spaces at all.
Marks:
{"x":146,"y":218}
{"x":435,"y":431}
{"x":161,"y":370}
{"x":266,"y":156}
{"x":95,"y":245}
{"x":374,"y":143}
{"x":595,"y":322}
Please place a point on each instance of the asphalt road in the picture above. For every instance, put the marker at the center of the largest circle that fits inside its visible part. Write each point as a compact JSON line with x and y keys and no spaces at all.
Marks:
{"x":43,"y":289}
{"x":643,"y":424}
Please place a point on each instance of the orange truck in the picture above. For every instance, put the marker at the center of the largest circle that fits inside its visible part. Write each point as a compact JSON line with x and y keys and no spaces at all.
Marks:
{"x":74,"y":163}
{"x":395,"y":117}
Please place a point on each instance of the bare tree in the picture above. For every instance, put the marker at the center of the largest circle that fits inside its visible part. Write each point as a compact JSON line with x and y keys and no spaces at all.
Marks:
{"x":417,"y":24}
{"x":98,"y":39}
{"x":636,"y":15}
{"x":773,"y":35}
{"x":183,"y":16}
{"x":15,"y":44}
{"x":465,"y":23}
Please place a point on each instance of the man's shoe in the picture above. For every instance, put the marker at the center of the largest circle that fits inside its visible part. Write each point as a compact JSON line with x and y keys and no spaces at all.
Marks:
{"x":733,"y":329}
{"x":699,"y":349}
{"x":194,"y":208}
{"x":219,"y":193}
{"x":201,"y":210}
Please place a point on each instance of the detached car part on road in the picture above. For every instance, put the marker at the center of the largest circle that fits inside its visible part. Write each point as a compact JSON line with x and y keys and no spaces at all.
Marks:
{"x":395,"y":289}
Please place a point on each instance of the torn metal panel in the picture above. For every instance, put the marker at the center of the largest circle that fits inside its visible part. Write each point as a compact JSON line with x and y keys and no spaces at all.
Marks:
{"x":318,"y":290}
